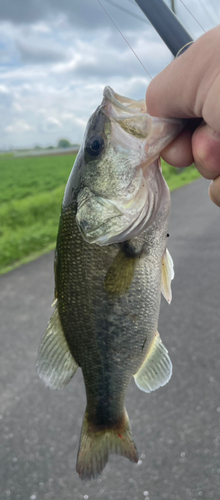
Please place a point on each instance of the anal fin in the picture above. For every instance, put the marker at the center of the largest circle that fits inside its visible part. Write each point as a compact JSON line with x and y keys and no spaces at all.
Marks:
{"x":156,"y":369}
{"x":55,"y":363}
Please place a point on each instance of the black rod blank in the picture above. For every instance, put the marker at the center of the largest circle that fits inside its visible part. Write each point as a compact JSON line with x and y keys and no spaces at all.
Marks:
{"x":166,"y":24}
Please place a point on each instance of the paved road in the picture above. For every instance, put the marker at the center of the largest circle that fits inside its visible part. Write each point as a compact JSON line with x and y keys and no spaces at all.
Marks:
{"x":176,"y":429}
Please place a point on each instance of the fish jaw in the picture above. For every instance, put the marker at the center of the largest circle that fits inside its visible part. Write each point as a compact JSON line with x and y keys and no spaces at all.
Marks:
{"x":106,"y":222}
{"x":122,"y":189}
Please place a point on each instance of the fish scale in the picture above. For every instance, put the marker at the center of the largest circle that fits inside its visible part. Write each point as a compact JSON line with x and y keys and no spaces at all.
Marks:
{"x":110,"y":268}
{"x":99,"y":321}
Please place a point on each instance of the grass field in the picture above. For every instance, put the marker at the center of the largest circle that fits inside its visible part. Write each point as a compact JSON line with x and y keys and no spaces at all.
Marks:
{"x":30,"y":200}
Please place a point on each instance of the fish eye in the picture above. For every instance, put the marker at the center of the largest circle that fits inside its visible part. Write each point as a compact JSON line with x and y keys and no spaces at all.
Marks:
{"x":95,"y":146}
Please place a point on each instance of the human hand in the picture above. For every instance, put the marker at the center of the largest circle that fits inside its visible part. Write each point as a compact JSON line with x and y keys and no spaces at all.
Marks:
{"x":190,"y":88}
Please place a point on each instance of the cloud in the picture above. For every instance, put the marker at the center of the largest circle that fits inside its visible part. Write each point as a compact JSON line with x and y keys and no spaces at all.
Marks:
{"x":4,"y":90}
{"x":39,"y":54}
{"x":84,"y":14}
{"x":21,"y":11}
{"x":51,"y":124}
{"x":56,"y":58}
{"x":18,"y":127}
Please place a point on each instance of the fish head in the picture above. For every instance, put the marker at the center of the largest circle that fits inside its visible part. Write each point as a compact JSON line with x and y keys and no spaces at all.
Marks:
{"x":119,"y":183}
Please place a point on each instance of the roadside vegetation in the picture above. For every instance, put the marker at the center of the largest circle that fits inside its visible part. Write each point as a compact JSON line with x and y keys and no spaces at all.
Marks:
{"x":177,"y":178}
{"x":30,"y":199}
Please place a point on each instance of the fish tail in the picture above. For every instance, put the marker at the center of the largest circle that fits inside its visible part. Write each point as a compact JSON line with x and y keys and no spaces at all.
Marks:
{"x":96,"y":444}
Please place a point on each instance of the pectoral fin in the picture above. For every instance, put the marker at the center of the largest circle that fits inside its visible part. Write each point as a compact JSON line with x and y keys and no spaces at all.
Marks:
{"x":120,"y":274}
{"x":156,"y":369}
{"x":167,"y":275}
{"x":55,"y":363}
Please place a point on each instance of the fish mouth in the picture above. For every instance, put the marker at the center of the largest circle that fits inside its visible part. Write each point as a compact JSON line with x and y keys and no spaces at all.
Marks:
{"x":125,"y":104}
{"x":130,"y":114}
{"x":155,"y":133}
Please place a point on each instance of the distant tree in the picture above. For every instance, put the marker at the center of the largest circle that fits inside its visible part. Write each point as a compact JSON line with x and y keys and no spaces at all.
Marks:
{"x":64,"y":143}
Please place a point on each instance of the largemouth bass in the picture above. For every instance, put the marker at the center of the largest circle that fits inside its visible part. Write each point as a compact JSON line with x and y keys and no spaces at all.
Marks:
{"x":111,"y":264}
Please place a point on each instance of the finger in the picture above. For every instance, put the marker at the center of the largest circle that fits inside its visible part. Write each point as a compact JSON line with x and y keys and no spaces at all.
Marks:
{"x":189,"y":86}
{"x":179,"y":152}
{"x":206,"y":151}
{"x":214,"y":191}
{"x":164,"y":93}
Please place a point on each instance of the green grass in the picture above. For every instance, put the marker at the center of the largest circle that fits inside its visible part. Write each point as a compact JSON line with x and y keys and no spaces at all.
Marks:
{"x":30,"y":200}
{"x":177,"y":178}
{"x":22,"y":177}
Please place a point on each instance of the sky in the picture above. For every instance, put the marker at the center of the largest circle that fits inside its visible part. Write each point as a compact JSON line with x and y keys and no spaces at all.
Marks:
{"x":57,"y":56}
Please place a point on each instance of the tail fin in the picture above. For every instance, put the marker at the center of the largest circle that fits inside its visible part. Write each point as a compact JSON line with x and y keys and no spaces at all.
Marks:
{"x":96,"y":445}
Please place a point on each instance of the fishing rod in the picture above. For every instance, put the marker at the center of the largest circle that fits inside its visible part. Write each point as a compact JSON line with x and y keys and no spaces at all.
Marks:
{"x":167,"y":25}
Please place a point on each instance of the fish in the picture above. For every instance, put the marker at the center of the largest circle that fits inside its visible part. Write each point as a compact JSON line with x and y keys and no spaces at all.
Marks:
{"x":111,"y":265}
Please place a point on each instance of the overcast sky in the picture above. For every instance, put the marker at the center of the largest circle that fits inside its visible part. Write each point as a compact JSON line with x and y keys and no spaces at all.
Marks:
{"x":57,"y":56}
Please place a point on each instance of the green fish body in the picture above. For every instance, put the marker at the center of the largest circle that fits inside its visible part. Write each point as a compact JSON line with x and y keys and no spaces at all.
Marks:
{"x":111,"y":265}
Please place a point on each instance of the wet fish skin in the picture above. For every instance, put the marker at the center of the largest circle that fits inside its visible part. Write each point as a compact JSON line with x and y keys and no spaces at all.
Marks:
{"x":111,"y":334}
{"x":108,"y":271}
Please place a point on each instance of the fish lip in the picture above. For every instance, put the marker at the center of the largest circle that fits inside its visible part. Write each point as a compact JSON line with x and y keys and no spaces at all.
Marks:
{"x":109,"y":94}
{"x":113,"y":102}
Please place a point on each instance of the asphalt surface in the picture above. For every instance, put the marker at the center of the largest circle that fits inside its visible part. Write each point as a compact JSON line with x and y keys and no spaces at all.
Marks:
{"x":176,"y":428}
